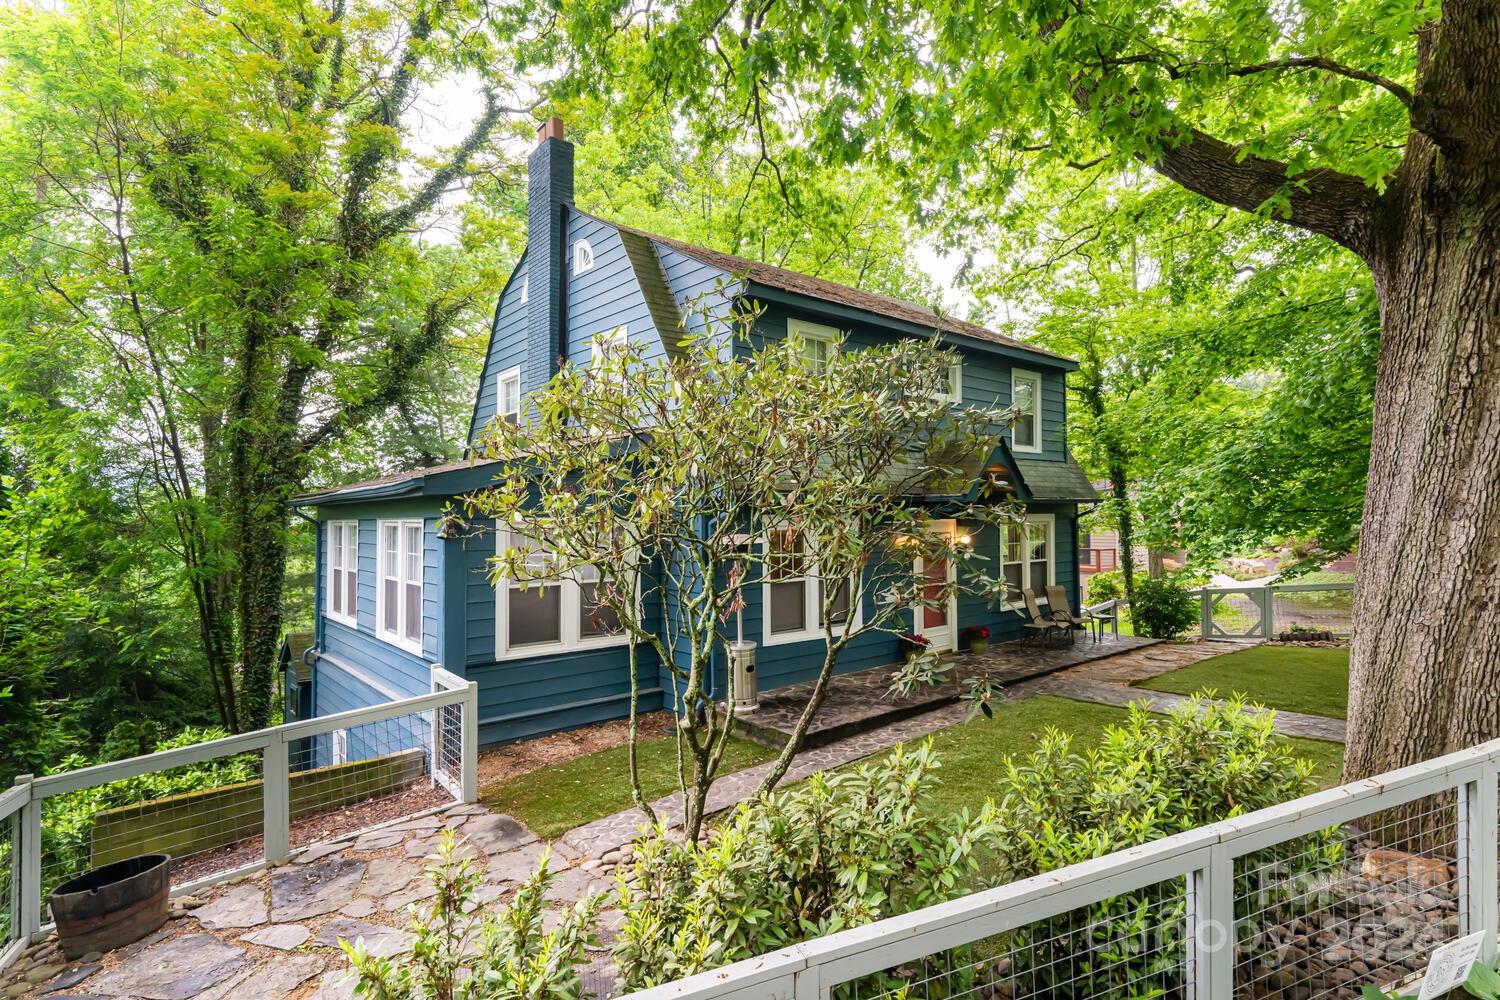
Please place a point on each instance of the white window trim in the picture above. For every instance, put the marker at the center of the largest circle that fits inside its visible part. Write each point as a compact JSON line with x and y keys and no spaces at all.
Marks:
{"x":525,"y":288}
{"x":583,"y":256}
{"x":955,"y":393}
{"x":349,"y":616}
{"x":813,"y":331}
{"x":340,"y":750}
{"x":811,"y":607}
{"x":570,"y":605}
{"x":398,"y":637}
{"x":1035,"y":379}
{"x":1041,"y":595}
{"x":509,"y":375}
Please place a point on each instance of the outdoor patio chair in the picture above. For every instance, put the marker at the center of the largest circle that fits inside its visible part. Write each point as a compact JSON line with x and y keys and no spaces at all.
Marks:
{"x":1057,"y":605}
{"x":1040,"y":627}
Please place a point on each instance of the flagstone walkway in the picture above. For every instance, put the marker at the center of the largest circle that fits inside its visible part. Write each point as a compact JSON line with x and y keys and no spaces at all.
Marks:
{"x":274,"y":934}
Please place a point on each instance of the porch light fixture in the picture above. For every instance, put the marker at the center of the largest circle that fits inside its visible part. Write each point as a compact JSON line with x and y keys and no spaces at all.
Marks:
{"x":965,"y":540}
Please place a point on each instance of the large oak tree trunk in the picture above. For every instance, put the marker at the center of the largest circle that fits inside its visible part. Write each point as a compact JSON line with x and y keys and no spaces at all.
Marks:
{"x":1426,"y":656}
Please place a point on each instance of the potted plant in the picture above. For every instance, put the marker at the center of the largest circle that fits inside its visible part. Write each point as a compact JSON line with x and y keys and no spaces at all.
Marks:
{"x":913,"y":645}
{"x":979,"y":638}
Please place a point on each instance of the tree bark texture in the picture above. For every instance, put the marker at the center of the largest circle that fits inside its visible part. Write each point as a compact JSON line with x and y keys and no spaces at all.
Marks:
{"x":1426,"y":658}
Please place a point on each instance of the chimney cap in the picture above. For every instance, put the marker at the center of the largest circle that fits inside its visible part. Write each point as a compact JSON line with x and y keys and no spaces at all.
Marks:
{"x":552,"y":128}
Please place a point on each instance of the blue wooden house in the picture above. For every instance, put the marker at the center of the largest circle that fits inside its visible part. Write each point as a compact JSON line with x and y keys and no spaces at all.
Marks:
{"x":400,"y":592}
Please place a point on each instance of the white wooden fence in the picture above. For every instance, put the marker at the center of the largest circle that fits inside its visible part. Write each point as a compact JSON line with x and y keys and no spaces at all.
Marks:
{"x":423,"y":748}
{"x":1263,"y":612}
{"x":1221,"y":909}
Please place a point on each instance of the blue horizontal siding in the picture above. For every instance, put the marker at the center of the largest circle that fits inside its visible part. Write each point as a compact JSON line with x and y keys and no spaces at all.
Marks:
{"x":507,"y":349}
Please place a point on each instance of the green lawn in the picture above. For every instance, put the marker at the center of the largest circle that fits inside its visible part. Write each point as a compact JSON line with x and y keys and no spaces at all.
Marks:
{"x":971,"y":752}
{"x":555,"y":799}
{"x":1312,"y":680}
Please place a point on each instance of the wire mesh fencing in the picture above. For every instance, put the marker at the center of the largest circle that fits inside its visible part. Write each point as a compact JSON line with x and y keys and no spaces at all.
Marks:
{"x":1361,"y":904}
{"x":9,"y":827}
{"x":206,"y":815}
{"x":234,"y":803}
{"x":1313,"y":608}
{"x":347,"y":779}
{"x":1129,"y":945}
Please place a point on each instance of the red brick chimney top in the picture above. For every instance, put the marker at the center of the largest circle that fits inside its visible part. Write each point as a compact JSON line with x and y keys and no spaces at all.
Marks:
{"x":552,"y":128}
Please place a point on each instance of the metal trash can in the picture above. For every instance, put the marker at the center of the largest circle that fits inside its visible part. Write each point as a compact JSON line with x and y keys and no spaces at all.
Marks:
{"x":742,"y":673}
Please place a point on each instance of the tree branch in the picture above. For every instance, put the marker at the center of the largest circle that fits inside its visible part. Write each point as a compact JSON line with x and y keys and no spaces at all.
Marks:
{"x":1395,"y":89}
{"x":1337,"y":205}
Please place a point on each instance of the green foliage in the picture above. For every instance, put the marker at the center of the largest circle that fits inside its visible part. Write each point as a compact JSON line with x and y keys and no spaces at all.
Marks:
{"x":922,"y":668}
{"x":463,"y":952}
{"x":1149,"y":778}
{"x":691,"y":453}
{"x":1163,"y":609}
{"x":1109,"y":586}
{"x":68,"y":819}
{"x":840,"y":850}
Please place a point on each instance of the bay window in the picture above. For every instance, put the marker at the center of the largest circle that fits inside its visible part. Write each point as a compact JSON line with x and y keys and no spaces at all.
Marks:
{"x":398,"y":598}
{"x":1026,"y":558}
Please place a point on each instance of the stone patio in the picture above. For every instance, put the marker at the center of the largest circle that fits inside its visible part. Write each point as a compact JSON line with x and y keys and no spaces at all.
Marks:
{"x":858,"y":702}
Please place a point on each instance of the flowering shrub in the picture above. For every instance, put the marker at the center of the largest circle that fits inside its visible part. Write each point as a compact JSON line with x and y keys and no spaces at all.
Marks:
{"x":977,"y":631}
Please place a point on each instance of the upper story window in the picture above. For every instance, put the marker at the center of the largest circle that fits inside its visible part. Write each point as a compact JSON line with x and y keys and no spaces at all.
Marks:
{"x":953,"y":384}
{"x":398,"y":599}
{"x":343,"y":571}
{"x":1026,"y":396}
{"x":550,"y":615}
{"x":606,"y":343}
{"x":525,"y":288}
{"x":1026,"y":558}
{"x":817,"y":343}
{"x":583,"y":257}
{"x":795,"y":594}
{"x":508,"y":396}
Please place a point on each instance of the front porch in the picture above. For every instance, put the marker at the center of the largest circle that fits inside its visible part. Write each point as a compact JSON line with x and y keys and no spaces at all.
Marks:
{"x":858,"y":702}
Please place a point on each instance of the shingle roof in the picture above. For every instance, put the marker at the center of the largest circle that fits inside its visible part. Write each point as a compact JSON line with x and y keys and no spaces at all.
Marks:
{"x":818,"y":288}
{"x":1051,"y":480}
{"x":412,"y":476}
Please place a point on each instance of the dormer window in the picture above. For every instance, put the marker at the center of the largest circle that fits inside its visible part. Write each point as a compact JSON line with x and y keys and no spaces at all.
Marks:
{"x":583,"y":257}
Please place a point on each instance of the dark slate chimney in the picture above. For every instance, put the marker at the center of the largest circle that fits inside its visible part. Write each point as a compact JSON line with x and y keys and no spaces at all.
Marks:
{"x":549,"y":192}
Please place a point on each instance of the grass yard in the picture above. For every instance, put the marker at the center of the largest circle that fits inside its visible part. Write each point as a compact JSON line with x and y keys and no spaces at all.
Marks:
{"x":555,"y":799}
{"x":1311,"y":680}
{"x":971,"y":752}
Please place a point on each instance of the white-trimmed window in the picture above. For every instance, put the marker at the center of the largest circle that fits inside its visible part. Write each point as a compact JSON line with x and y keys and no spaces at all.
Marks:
{"x":398,"y":599}
{"x":602,"y":345}
{"x":508,"y":396}
{"x":1026,"y":397}
{"x":341,"y":746}
{"x":953,"y":384}
{"x":1028,"y":558}
{"x":343,"y":571}
{"x":817,"y":343}
{"x":792,"y":593}
{"x":538,"y":616}
{"x":525,"y":288}
{"x":583,"y":257}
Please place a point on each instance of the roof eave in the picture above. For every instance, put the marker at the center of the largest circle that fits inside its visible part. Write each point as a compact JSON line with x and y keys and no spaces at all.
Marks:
{"x":754,"y":289}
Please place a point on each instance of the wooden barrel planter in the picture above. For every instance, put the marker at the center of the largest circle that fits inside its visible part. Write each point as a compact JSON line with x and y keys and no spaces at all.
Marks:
{"x":110,"y":907}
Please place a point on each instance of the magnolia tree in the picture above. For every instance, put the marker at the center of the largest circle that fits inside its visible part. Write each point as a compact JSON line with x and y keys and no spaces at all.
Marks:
{"x":666,"y":485}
